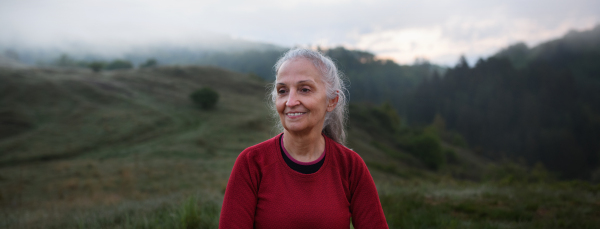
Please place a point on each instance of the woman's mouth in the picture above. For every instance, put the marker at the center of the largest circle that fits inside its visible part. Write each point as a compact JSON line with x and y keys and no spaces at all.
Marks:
{"x":295,"y":114}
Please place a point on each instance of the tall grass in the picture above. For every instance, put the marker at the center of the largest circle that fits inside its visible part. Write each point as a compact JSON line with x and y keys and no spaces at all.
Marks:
{"x":191,"y":213}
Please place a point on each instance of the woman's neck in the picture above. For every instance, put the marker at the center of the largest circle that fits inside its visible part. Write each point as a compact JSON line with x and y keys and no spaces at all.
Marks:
{"x":304,"y":148}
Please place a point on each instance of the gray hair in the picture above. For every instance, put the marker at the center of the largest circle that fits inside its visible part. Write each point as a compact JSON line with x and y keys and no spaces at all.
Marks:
{"x":335,"y":121}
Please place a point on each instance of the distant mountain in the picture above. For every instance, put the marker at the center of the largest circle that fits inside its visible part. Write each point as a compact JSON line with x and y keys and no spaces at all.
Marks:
{"x":180,"y":53}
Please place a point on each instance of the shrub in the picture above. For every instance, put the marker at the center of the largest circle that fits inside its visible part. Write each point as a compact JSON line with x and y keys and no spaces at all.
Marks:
{"x":451,"y":156}
{"x":427,"y":148}
{"x":206,"y":98}
{"x":458,"y":140}
{"x":149,"y":63}
{"x":511,"y":173}
{"x":96,"y":66}
{"x":119,"y":64}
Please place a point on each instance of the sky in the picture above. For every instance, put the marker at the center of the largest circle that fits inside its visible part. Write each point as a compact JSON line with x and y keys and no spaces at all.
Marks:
{"x":439,"y":31}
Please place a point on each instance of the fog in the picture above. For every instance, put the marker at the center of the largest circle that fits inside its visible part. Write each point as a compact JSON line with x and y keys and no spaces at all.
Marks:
{"x":401,"y":30}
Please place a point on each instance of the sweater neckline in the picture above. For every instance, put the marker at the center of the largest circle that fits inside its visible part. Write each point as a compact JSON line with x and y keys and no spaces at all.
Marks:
{"x":300,"y":162}
{"x":291,"y":171}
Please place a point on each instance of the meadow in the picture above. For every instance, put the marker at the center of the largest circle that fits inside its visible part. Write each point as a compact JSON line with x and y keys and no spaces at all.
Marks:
{"x":129,"y":149}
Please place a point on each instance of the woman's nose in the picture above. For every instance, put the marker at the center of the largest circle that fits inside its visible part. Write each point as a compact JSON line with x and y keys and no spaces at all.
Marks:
{"x":292,"y":100}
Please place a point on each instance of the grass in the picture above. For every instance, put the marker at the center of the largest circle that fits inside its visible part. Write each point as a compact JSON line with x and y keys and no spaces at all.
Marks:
{"x":492,"y":206}
{"x":98,"y":141}
{"x":128,"y":149}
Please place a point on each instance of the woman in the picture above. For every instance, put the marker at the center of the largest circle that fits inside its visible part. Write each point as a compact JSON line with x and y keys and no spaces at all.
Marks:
{"x":303,"y":177}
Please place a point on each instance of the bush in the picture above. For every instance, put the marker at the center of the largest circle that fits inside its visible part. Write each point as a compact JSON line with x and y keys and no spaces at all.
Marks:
{"x":510,"y":173}
{"x":451,"y":156}
{"x":119,"y":64}
{"x":206,"y":98}
{"x":427,"y":148}
{"x":149,"y":63}
{"x":96,"y":66}
{"x":458,"y":140}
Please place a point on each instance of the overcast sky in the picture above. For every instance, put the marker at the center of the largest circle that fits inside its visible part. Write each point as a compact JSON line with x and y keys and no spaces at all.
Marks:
{"x":402,"y":30}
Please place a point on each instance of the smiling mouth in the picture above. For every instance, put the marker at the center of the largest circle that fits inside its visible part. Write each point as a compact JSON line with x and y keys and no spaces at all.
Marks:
{"x":295,"y":114}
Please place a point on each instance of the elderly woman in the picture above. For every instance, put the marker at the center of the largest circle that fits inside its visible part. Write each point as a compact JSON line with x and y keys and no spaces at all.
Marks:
{"x":304,"y":177}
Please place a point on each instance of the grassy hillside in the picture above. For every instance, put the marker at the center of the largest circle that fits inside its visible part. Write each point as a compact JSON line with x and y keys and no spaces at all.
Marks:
{"x":74,"y":140}
{"x":128,"y":149}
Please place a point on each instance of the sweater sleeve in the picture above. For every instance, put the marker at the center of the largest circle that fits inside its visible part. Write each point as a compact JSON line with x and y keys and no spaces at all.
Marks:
{"x":239,"y":203}
{"x":365,"y":205}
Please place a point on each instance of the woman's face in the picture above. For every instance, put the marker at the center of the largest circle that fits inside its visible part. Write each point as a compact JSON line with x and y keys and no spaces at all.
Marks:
{"x":301,"y":97}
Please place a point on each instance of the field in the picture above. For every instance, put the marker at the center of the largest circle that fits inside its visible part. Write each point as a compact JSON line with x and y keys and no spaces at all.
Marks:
{"x":129,"y":149}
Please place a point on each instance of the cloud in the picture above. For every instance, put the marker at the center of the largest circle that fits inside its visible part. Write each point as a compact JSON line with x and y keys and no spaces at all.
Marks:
{"x":462,"y":36}
{"x":403,"y":30}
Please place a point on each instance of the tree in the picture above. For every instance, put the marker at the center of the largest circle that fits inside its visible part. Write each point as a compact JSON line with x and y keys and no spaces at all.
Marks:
{"x":206,"y":97}
{"x":149,"y":63}
{"x":462,"y":63}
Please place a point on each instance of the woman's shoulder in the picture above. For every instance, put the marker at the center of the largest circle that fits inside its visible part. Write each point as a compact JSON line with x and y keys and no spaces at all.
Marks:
{"x":345,"y":155}
{"x":260,"y":153}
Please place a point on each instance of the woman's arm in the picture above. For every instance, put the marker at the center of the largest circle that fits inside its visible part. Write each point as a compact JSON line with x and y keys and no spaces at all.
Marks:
{"x":239,"y":203}
{"x":365,"y":205}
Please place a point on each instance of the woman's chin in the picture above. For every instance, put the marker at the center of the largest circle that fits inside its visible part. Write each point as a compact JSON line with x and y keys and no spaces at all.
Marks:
{"x":296,"y":128}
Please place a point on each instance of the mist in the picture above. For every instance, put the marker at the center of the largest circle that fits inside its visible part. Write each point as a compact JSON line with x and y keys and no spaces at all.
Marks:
{"x":402,"y":31}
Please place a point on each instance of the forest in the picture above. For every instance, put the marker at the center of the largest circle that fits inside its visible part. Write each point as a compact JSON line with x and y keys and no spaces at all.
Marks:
{"x":539,"y":105}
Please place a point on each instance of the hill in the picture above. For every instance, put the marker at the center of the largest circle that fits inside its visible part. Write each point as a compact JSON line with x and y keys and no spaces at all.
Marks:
{"x":74,"y":140}
{"x":128,"y":148}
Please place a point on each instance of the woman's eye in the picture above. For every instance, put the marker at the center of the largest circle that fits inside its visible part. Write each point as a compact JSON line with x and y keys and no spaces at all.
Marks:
{"x":305,"y":90}
{"x":281,"y":91}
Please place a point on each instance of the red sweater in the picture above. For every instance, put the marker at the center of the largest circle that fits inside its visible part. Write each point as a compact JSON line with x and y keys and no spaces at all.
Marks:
{"x":264,"y":192}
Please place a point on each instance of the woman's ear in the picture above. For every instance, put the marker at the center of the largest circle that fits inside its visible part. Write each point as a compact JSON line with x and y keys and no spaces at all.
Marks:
{"x":332,"y":103}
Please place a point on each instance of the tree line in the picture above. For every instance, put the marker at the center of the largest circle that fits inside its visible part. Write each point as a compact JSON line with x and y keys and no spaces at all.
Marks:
{"x":537,"y":105}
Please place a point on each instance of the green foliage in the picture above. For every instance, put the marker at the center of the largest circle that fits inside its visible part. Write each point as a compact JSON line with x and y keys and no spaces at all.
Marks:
{"x":206,"y":97}
{"x":427,"y":148}
{"x":458,"y":140}
{"x":119,"y":64}
{"x":96,"y":66}
{"x":412,"y":211}
{"x":150,"y":63}
{"x":406,"y":158}
{"x":545,"y":206}
{"x":517,"y":54}
{"x":190,"y":214}
{"x":194,"y":214}
{"x":542,"y":110}
{"x":376,"y":119}
{"x":438,"y":128}
{"x":510,"y":173}
{"x":451,"y":156}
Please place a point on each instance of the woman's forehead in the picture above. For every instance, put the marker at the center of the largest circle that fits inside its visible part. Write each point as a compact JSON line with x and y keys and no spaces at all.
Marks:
{"x":298,"y":70}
